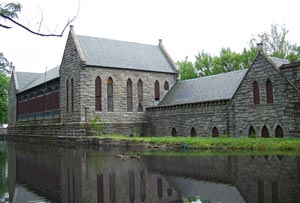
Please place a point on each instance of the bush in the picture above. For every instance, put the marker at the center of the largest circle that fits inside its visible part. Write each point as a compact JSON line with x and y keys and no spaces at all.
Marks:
{"x":98,"y":125}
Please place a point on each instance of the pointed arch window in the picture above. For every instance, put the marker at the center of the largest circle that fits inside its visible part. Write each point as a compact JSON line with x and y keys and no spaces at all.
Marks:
{"x":252,"y":132}
{"x":265,"y":132}
{"x":278,"y":131}
{"x":129,"y":96}
{"x":110,"y":95}
{"x":269,"y":91}
{"x":98,"y":94}
{"x":140,"y":95}
{"x":72,"y":94}
{"x":255,"y":93}
{"x":193,"y":132}
{"x":67,"y":96}
{"x":174,"y":132}
{"x":215,"y":132}
{"x":156,"y":90}
{"x":166,"y":85}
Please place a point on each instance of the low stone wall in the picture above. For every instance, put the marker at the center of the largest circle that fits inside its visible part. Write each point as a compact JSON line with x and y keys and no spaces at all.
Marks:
{"x":203,"y":117}
{"x":3,"y":131}
{"x":79,"y":129}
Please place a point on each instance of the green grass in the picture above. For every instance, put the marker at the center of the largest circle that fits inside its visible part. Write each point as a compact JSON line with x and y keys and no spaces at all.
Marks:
{"x":252,"y":144}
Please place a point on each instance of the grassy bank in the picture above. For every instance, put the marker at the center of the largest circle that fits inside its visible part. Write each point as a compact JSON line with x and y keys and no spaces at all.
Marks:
{"x":253,"y":144}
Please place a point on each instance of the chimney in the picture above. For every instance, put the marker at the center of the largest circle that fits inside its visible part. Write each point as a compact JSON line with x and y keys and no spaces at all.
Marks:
{"x":159,"y":41}
{"x":259,"y":47}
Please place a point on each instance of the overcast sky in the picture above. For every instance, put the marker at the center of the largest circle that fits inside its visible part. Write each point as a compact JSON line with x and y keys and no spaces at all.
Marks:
{"x":186,"y":26}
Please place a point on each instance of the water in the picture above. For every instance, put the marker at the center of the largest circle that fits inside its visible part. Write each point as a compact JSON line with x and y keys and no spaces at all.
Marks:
{"x":39,"y":173}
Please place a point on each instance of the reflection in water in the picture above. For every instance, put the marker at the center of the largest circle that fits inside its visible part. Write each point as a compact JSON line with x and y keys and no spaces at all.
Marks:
{"x":57,"y":174}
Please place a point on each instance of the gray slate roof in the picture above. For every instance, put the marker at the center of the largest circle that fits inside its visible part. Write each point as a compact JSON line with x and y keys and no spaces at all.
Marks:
{"x":126,"y":55}
{"x":278,"y":61}
{"x":28,"y":80}
{"x":210,"y":88}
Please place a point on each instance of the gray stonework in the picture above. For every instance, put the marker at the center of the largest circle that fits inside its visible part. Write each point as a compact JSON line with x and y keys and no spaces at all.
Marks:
{"x":12,"y":101}
{"x":202,"y":116}
{"x":243,"y":113}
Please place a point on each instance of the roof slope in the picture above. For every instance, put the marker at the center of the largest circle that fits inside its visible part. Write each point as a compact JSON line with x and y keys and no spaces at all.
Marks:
{"x":126,"y":55}
{"x":28,"y":80}
{"x":210,"y":88}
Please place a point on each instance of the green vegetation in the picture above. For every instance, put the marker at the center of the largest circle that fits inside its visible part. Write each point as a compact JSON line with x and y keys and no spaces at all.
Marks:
{"x":98,"y":125}
{"x":274,"y":43}
{"x":257,"y":144}
{"x":5,"y":68}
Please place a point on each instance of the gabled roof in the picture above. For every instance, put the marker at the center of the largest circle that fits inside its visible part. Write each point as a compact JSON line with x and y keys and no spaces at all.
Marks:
{"x":210,"y":88}
{"x":27,"y":80}
{"x":124,"y":55}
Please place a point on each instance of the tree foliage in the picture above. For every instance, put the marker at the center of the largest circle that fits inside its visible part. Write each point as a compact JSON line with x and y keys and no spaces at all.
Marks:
{"x":5,"y":70}
{"x":275,"y":44}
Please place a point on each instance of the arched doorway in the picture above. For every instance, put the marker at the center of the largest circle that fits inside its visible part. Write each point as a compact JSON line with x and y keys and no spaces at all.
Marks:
{"x":252,"y":132}
{"x":193,"y":132}
{"x":174,"y":132}
{"x":265,"y":132}
{"x":215,"y":132}
{"x":278,"y":131}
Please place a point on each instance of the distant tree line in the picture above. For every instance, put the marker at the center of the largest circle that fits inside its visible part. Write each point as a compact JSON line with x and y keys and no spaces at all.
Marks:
{"x":274,"y":43}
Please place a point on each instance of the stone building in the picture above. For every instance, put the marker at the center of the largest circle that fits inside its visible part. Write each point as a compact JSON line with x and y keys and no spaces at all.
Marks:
{"x":134,"y":89}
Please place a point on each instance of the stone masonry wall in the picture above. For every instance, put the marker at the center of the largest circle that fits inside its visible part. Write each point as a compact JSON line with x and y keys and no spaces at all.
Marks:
{"x":119,"y":77}
{"x":70,"y":68}
{"x":243,"y":113}
{"x":203,"y":117}
{"x":12,"y":102}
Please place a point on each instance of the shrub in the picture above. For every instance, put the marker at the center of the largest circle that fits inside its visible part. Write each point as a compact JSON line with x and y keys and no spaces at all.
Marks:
{"x":98,"y":125}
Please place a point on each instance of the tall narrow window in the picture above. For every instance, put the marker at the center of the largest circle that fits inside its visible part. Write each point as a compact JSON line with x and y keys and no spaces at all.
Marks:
{"x":140,"y":95}
{"x":129,"y":96}
{"x":252,"y":132}
{"x":278,"y":131}
{"x":269,"y":91}
{"x":255,"y":93}
{"x":166,"y":86}
{"x":67,"y":96}
{"x":215,"y":132}
{"x":72,"y":94}
{"x":110,"y":95}
{"x":265,"y":132}
{"x":156,"y":90}
{"x":98,"y":102}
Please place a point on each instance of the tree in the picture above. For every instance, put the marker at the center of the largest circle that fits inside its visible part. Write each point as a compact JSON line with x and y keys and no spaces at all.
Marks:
{"x":10,"y":11}
{"x":276,"y":44}
{"x":5,"y":70}
{"x":186,"y":69}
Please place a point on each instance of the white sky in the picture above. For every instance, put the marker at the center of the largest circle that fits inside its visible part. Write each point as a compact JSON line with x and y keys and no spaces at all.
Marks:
{"x":186,"y":26}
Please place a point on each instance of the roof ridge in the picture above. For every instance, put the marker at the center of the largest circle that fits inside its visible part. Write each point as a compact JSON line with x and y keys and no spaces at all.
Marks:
{"x":215,"y":75}
{"x":116,"y":40}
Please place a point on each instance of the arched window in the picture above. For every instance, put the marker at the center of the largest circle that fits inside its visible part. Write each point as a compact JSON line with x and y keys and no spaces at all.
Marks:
{"x":193,"y":132}
{"x":67,"y":96}
{"x":129,"y":96}
{"x":269,"y":91}
{"x":255,"y":93}
{"x":278,"y":131}
{"x":215,"y":132}
{"x":156,"y":90}
{"x":98,"y":98}
{"x":166,"y":86}
{"x":265,"y":132}
{"x":140,"y":95}
{"x":110,"y":95}
{"x":72,"y":94}
{"x":174,"y":132}
{"x":252,"y":132}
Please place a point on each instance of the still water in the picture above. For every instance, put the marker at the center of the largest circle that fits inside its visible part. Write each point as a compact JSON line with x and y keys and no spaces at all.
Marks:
{"x":38,"y":173}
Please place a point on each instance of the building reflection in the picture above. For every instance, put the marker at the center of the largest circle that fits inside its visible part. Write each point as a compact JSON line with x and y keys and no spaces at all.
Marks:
{"x":85,"y":175}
